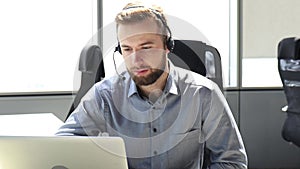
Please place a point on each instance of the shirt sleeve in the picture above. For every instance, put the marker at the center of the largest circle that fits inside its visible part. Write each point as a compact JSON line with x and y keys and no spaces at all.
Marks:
{"x":86,"y":119}
{"x":222,"y":137}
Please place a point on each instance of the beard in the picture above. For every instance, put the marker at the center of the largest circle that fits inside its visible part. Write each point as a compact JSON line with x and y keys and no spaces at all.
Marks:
{"x":149,"y":79}
{"x":154,"y":74}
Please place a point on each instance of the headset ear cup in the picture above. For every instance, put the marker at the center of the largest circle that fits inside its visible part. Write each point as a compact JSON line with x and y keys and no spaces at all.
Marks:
{"x":118,"y":49}
{"x":170,"y":44}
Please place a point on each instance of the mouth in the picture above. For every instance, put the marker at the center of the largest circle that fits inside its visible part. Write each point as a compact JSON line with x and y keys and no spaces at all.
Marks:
{"x":141,"y":72}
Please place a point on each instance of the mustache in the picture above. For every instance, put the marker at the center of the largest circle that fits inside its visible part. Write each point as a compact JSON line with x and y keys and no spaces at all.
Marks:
{"x":140,"y":67}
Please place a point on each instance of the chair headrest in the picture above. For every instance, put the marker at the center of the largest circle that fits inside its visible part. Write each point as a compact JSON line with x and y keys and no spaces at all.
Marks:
{"x":90,"y":55}
{"x":187,"y":54}
{"x":289,"y":48}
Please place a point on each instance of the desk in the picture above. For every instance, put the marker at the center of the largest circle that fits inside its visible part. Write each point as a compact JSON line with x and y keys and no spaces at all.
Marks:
{"x":37,"y":124}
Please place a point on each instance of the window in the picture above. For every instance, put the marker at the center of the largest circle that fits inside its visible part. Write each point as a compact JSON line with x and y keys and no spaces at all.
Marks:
{"x":260,"y":38}
{"x":41,"y":42}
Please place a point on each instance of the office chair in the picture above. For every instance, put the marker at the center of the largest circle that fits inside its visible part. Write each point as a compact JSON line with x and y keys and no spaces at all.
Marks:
{"x":289,"y":71}
{"x":92,"y":71}
{"x":198,"y":57}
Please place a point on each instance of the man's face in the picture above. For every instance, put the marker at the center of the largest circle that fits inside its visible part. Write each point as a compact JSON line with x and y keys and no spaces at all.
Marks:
{"x":144,"y":51}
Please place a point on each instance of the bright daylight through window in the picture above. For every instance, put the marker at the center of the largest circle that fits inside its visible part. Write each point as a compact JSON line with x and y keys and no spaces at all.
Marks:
{"x":40,"y":48}
{"x":41,"y":42}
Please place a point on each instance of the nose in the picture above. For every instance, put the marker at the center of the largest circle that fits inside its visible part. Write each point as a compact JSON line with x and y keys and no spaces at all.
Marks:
{"x":137,"y":56}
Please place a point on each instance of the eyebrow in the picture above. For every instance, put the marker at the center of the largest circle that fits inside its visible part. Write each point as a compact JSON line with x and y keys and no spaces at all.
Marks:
{"x":145,"y":43}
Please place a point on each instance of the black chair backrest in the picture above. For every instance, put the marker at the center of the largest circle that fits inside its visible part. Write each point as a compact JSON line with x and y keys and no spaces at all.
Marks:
{"x":198,"y":57}
{"x":92,"y":71}
{"x":189,"y":54}
{"x":289,"y":71}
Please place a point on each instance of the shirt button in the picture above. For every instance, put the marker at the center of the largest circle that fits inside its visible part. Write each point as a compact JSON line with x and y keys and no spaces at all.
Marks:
{"x":155,"y":152}
{"x":153,"y":108}
{"x":154,"y":130}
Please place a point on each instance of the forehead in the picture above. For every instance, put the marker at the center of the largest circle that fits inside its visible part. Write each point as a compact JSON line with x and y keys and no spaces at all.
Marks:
{"x":126,"y":31}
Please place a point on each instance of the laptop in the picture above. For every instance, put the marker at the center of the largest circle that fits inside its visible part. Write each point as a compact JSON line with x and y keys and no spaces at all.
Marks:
{"x":63,"y":152}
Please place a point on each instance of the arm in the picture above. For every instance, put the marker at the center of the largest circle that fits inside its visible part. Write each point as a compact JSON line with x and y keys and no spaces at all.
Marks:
{"x":222,"y":137}
{"x":87,"y":119}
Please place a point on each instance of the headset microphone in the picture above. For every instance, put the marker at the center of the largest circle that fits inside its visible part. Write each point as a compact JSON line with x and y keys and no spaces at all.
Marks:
{"x":120,"y":76}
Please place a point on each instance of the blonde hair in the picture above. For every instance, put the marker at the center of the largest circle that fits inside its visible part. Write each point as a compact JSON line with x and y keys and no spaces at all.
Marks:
{"x":137,"y":12}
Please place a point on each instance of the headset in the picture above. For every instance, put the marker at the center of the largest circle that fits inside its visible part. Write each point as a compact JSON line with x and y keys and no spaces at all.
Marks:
{"x":169,"y":41}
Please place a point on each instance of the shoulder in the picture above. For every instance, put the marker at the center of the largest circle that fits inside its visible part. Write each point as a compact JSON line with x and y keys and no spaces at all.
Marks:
{"x":106,"y":83}
{"x":192,"y":79}
{"x":113,"y":84}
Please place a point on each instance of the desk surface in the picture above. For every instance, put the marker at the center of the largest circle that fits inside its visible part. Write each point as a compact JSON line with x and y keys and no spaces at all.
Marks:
{"x":39,"y":124}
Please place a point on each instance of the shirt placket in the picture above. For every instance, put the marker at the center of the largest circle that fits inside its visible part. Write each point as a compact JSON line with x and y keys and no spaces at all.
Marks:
{"x":155,"y":129}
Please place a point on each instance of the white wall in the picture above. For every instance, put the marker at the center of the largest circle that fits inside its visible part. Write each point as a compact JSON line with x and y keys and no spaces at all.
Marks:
{"x":265,"y":23}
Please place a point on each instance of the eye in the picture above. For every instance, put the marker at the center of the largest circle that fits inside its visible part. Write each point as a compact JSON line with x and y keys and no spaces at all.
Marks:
{"x":146,"y":47}
{"x":126,"y":49}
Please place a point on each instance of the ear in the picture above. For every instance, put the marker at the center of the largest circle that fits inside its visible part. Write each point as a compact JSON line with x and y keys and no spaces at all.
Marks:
{"x":167,"y":51}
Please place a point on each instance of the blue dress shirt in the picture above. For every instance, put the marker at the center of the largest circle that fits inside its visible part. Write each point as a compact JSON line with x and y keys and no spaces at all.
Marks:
{"x":172,"y":132}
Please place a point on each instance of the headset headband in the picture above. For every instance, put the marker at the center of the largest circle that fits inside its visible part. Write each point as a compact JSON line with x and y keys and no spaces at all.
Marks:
{"x":169,"y":41}
{"x":156,"y":13}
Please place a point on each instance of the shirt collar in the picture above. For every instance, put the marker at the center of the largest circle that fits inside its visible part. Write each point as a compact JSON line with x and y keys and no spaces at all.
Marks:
{"x":171,"y":85}
{"x":132,"y":88}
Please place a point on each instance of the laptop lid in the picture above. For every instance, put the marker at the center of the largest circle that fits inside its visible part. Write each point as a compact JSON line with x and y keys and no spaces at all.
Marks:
{"x":63,"y":152}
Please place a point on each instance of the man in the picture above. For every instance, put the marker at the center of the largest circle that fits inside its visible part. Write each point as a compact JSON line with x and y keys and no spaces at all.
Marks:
{"x":166,"y":115}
